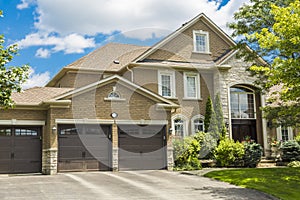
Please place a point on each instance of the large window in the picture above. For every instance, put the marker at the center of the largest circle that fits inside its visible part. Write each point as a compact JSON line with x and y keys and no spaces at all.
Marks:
{"x":166,"y":83}
{"x":242,"y":103}
{"x":201,"y":41}
{"x":191,"y":86}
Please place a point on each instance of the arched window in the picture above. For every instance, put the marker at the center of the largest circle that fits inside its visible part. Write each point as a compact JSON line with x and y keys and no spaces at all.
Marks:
{"x":242,"y":103}
{"x":197,"y":124}
{"x":114,"y":95}
{"x":179,"y":125}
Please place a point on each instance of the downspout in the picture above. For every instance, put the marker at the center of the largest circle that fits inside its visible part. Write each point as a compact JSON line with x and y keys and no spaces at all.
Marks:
{"x":131,"y":72}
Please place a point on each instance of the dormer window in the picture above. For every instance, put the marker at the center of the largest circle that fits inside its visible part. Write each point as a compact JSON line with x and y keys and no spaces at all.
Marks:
{"x":201,"y":41}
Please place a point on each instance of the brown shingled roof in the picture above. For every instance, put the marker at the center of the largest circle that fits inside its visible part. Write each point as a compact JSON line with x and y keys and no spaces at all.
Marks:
{"x":103,"y":58}
{"x":37,"y":95}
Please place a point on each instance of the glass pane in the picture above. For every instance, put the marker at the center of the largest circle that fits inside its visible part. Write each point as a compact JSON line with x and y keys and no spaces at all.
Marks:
{"x":200,"y":43}
{"x":114,"y":95}
{"x":5,"y":132}
{"x":191,"y":86}
{"x":199,"y":125}
{"x":178,"y":125}
{"x":26,"y":132}
{"x":166,"y":85}
{"x":285,"y":134}
{"x":68,"y":131}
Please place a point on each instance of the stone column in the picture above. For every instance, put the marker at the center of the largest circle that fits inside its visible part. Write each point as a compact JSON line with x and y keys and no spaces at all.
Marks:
{"x":49,"y":161}
{"x":115,"y":149}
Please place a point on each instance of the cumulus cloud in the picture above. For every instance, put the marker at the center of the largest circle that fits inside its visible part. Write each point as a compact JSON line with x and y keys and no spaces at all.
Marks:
{"x":43,"y":53}
{"x":74,"y":22}
{"x":25,"y":4}
{"x":36,"y":79}
{"x":73,"y":43}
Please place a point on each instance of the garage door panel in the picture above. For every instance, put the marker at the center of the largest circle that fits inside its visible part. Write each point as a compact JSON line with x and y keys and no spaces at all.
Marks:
{"x":142,"y":147}
{"x":85,"y":148}
{"x":20,"y":149}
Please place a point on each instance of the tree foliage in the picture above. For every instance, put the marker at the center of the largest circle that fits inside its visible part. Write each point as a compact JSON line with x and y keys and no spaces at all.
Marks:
{"x":11,"y":77}
{"x":219,"y":115}
{"x":208,"y":113}
{"x":272,"y":30}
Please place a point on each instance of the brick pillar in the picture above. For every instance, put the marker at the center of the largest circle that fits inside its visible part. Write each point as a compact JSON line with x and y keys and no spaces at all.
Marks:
{"x":170,"y":159}
{"x":49,"y":161}
{"x":115,"y":149}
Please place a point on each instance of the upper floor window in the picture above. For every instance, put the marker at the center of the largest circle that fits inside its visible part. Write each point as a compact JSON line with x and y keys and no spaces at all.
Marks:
{"x":191,"y":86}
{"x":166,"y":83}
{"x":201,"y":41}
{"x":242,"y":103}
{"x":114,"y":95}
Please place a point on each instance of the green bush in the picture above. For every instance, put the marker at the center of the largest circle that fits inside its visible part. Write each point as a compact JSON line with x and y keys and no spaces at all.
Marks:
{"x":186,"y":152}
{"x":253,"y":153}
{"x":297,"y":138}
{"x":294,"y":164}
{"x":290,"y":151}
{"x":208,"y":143}
{"x":229,"y":153}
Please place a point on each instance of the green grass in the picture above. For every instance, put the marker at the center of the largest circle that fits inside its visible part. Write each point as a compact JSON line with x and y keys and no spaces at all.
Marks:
{"x":283,"y":183}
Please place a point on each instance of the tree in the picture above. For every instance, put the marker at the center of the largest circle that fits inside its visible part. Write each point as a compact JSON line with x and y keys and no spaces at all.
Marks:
{"x":219,"y":116}
{"x":272,"y":30}
{"x":11,"y":77}
{"x":208,"y":113}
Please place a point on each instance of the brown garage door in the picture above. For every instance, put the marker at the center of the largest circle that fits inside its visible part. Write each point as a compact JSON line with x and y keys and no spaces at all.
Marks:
{"x":84,"y":147}
{"x":142,"y":147}
{"x":20,"y":149}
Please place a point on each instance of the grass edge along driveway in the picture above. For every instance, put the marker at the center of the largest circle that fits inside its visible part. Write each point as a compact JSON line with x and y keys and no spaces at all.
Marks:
{"x":283,"y":183}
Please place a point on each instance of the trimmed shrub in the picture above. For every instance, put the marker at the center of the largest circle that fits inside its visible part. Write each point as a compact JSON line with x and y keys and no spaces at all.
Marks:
{"x":297,"y":138}
{"x":208,"y":144}
{"x":186,"y":153}
{"x":294,"y":164}
{"x":290,"y":151}
{"x":229,"y":153}
{"x":253,"y":153}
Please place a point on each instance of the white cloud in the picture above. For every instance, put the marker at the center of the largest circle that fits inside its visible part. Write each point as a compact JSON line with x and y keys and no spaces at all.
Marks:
{"x":25,"y":4}
{"x":43,"y":53}
{"x":73,"y":43}
{"x":36,"y":80}
{"x":75,"y":22}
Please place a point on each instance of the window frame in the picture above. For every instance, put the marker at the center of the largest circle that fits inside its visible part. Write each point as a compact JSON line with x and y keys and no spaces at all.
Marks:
{"x":252,"y":92}
{"x":172,"y":83}
{"x":201,"y":117}
{"x":202,"y":33}
{"x":279,"y":133}
{"x":184,"y":123}
{"x":197,"y":85}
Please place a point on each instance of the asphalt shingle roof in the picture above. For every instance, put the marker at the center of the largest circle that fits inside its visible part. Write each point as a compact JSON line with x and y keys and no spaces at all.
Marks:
{"x":37,"y":95}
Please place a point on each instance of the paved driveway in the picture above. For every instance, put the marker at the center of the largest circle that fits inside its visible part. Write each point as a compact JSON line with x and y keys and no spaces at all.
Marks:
{"x":121,"y":185}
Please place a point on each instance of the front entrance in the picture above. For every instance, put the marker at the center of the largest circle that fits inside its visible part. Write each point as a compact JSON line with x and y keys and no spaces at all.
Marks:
{"x":142,"y":147}
{"x":241,"y":129}
{"x":84,"y":147}
{"x":20,"y":149}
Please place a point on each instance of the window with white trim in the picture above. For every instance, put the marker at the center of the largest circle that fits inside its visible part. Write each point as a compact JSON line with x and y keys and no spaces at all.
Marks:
{"x":191,"y":86}
{"x":201,"y":41}
{"x":179,"y":125}
{"x":197,"y":124}
{"x":284,"y":133}
{"x":166,"y":83}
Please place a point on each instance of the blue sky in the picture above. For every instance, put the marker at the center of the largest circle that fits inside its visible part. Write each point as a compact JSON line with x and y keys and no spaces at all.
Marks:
{"x":54,"y":33}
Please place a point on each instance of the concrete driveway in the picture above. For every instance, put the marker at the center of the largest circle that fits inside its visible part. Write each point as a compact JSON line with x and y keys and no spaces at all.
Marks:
{"x":121,"y":185}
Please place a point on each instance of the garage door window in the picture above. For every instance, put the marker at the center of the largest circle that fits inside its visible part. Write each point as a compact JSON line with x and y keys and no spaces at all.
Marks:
{"x":5,"y":132}
{"x":68,"y":131}
{"x":26,"y":132}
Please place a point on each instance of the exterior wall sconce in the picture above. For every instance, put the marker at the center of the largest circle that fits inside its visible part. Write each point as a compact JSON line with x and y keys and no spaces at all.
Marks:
{"x":54,"y":129}
{"x":114,"y":115}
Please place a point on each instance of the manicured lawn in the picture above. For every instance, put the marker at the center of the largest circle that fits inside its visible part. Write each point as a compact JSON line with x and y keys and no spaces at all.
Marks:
{"x":283,"y":183}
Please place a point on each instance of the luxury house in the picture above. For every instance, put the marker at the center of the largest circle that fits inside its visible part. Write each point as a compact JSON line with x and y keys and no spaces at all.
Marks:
{"x":119,"y":107}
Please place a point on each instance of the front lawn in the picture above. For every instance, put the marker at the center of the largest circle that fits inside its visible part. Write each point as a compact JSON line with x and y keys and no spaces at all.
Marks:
{"x":283,"y":183}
